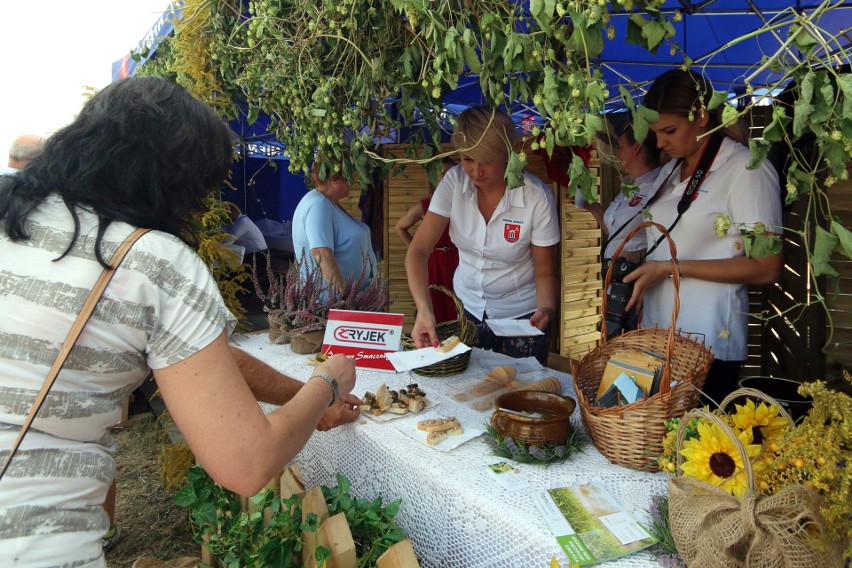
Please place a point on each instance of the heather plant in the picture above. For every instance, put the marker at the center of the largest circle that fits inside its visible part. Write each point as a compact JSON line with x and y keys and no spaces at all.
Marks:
{"x":305,"y":298}
{"x":356,"y":296}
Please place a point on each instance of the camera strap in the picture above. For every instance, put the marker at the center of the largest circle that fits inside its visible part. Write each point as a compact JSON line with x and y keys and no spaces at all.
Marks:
{"x":690,"y":193}
{"x":641,"y":210}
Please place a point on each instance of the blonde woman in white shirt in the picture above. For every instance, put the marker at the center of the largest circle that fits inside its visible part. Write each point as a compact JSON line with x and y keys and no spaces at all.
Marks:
{"x":506,"y":240}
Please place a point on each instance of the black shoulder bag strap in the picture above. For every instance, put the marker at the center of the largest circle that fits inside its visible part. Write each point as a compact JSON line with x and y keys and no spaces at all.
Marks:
{"x":71,"y":338}
{"x":691,"y":191}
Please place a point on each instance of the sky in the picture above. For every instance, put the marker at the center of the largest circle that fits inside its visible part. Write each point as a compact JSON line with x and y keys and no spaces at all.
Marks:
{"x":50,"y":50}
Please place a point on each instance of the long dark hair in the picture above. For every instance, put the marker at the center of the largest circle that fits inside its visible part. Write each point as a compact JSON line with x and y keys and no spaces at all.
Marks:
{"x":142,"y":151}
{"x":686,"y":93}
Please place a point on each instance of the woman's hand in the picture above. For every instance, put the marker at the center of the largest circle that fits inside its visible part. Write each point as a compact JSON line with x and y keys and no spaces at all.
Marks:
{"x":645,"y":277}
{"x":342,"y":368}
{"x":423,"y":333}
{"x":542,"y":317}
{"x":343,"y":411}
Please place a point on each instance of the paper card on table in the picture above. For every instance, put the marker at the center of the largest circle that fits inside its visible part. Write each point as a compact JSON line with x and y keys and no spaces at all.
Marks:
{"x":509,"y":476}
{"x":508,"y":327}
{"x":407,"y":360}
{"x":365,"y":337}
{"x":605,"y":530}
{"x":408,"y":426}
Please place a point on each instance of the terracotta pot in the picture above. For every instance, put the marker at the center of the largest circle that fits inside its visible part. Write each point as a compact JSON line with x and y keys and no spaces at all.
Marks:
{"x":277,"y":328}
{"x":534,"y":418}
{"x":307,"y":343}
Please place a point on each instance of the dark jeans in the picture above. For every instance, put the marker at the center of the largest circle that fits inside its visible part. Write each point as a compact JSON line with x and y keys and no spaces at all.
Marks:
{"x":721,"y":381}
{"x":537,"y":346}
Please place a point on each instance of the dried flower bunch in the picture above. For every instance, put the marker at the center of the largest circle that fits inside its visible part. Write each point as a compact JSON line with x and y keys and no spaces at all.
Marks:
{"x":817,"y":454}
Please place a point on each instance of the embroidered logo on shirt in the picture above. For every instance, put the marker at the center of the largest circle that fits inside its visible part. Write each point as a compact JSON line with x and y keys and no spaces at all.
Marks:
{"x":511,"y":232}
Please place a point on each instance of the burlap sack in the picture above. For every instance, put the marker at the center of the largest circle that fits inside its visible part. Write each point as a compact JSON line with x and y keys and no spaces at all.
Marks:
{"x":712,"y":528}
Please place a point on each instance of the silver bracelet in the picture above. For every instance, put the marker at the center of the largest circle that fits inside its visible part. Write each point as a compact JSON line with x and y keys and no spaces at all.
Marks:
{"x":676,"y":263}
{"x":331,"y":382}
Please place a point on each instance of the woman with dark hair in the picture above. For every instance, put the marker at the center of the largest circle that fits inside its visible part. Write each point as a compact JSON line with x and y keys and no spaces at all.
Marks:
{"x":705,"y":220}
{"x":141,"y":153}
{"x":506,"y":238}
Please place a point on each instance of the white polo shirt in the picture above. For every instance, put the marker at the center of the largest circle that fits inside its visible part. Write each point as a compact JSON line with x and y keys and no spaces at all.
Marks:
{"x":717,"y":311}
{"x":496,"y":273}
{"x":627,"y":212}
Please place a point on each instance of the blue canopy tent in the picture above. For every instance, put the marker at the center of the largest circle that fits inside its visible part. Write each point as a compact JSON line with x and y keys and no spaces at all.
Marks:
{"x":705,"y":34}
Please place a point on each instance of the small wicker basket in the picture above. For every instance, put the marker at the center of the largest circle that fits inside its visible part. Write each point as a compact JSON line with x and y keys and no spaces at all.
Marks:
{"x":462,"y":327}
{"x":632,"y":434}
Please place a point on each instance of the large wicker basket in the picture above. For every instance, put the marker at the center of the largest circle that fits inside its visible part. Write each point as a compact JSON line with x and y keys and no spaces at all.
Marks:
{"x":462,"y":327}
{"x":632,"y":434}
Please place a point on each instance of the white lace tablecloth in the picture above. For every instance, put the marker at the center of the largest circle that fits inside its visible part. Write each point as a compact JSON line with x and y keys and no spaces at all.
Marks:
{"x":455,"y":513}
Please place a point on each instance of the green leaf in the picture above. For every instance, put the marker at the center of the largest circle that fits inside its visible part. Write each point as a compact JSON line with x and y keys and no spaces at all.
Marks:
{"x":593,"y":125}
{"x":717,"y":99}
{"x":318,"y":112}
{"x":836,"y":157}
{"x":777,"y":128}
{"x":515,"y":171}
{"x":759,"y":150}
{"x":185,"y":497}
{"x":844,"y":238}
{"x":393,"y":508}
{"x":762,"y":245}
{"x":643,"y":116}
{"x":654,"y":32}
{"x":253,"y":113}
{"x":804,"y":40}
{"x":634,"y":30}
{"x":626,"y":98}
{"x":824,"y":245}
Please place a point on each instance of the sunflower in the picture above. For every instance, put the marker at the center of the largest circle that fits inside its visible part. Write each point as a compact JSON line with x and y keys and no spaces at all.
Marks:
{"x":712,"y":457}
{"x":764,"y":421}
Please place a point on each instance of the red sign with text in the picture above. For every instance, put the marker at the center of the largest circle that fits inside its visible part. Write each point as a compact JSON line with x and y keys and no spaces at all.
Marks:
{"x":364,"y":337}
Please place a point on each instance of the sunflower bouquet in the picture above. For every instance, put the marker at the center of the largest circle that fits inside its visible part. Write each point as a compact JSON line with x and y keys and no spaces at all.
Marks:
{"x":755,"y":489}
{"x":708,"y":452}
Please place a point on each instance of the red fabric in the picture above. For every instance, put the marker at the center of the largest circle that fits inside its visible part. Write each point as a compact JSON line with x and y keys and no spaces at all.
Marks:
{"x":442,"y":266}
{"x":557,"y":165}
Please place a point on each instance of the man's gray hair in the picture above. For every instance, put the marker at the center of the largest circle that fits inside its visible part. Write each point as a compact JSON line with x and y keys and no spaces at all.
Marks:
{"x":26,"y":148}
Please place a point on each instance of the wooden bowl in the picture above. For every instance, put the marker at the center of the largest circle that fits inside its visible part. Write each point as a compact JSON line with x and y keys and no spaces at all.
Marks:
{"x":534,"y":418}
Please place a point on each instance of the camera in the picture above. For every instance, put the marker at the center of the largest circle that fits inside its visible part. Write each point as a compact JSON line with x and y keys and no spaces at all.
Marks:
{"x":617,"y":317}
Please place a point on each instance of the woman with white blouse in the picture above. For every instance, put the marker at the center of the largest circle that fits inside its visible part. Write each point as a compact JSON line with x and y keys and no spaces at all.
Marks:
{"x":715,"y":270}
{"x":506,"y":239}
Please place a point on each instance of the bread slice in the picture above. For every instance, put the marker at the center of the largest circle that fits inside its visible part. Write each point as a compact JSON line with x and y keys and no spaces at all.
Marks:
{"x":435,"y":437}
{"x":438,"y":424}
{"x":448,"y":344}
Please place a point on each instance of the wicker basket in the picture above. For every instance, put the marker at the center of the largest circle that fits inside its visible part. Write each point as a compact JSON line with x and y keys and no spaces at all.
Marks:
{"x":631,"y":435}
{"x":462,"y":327}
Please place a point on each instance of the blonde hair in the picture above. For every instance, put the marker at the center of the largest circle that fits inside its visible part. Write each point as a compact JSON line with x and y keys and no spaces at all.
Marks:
{"x":484,"y":134}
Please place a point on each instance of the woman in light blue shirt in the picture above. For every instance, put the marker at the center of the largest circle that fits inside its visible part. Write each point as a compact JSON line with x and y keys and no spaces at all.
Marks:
{"x":328,"y":236}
